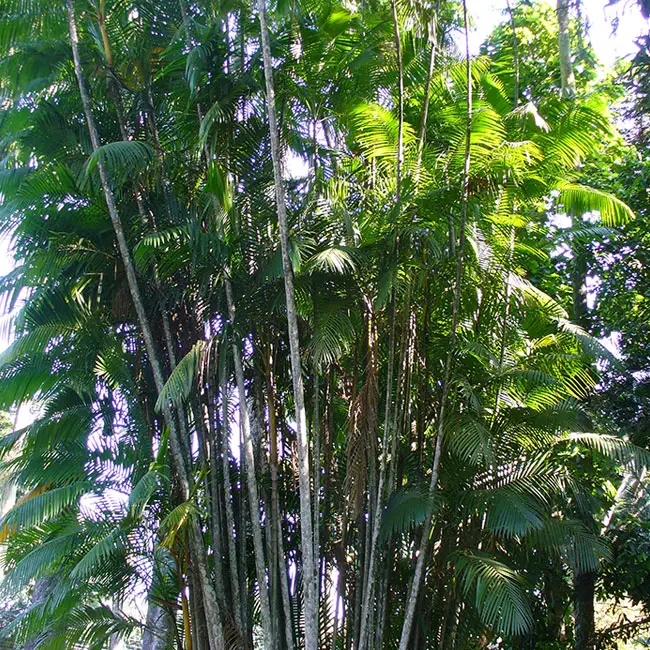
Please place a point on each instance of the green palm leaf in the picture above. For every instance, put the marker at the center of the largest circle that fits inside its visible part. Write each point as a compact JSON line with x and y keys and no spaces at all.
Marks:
{"x":42,"y":506}
{"x":499,"y":593}
{"x":579,"y":200}
{"x":124,"y":160}
{"x":177,"y":388}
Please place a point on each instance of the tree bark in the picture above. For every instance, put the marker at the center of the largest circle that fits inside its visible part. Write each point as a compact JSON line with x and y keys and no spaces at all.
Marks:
{"x":578,"y":269}
{"x":584,"y":583}
{"x":230,"y":516}
{"x":515,"y":53}
{"x":568,"y":79}
{"x":270,"y":642}
{"x":212,"y":612}
{"x":414,"y":590}
{"x":276,"y":521}
{"x":370,"y":578}
{"x":41,"y":591}
{"x":433,"y":37}
{"x":159,"y":629}
{"x":583,"y":599}
{"x":310,"y":588}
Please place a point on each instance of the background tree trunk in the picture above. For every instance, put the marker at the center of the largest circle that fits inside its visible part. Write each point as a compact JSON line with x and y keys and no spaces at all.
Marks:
{"x":583,"y":600}
{"x":159,"y":629}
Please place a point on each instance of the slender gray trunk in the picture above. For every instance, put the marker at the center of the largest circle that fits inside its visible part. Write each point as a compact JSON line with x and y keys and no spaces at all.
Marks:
{"x":515,"y":53}
{"x":369,"y":582}
{"x":123,"y":247}
{"x":159,"y":628}
{"x":270,"y":642}
{"x":276,"y":520}
{"x":284,"y":587}
{"x":317,"y":468}
{"x":433,"y":37}
{"x":41,"y":591}
{"x":505,"y":318}
{"x":230,"y":517}
{"x":584,"y":583}
{"x":210,"y":605}
{"x":400,"y":100}
{"x":310,"y":587}
{"x":414,"y":589}
{"x":214,"y":624}
{"x":370,"y":578}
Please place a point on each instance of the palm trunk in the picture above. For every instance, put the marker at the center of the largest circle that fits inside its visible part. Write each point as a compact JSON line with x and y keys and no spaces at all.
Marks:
{"x":584,"y":587}
{"x":310,"y":610}
{"x":564,"y":46}
{"x":578,"y":271}
{"x":197,"y":609}
{"x":42,"y":590}
{"x":505,"y":318}
{"x":230,"y":517}
{"x":584,"y":591}
{"x":159,"y":628}
{"x":515,"y":53}
{"x":554,"y":596}
{"x":414,"y":590}
{"x":370,"y":577}
{"x":433,"y":37}
{"x":400,"y":103}
{"x":369,"y":582}
{"x":206,"y":456}
{"x":275,"y":506}
{"x":210,"y":605}
{"x":284,"y":588}
{"x":317,"y":469}
{"x":214,"y":624}
{"x":270,"y":642}
{"x":125,"y":253}
{"x":123,"y":247}
{"x":167,"y":330}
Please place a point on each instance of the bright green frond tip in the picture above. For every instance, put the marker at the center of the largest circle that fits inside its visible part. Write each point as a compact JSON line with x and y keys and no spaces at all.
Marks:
{"x":580,"y":200}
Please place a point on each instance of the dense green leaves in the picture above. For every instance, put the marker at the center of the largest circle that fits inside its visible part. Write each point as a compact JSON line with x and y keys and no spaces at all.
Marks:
{"x":458,"y":396}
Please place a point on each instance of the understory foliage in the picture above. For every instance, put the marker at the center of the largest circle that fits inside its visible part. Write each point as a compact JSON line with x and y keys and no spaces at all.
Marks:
{"x":448,"y":386}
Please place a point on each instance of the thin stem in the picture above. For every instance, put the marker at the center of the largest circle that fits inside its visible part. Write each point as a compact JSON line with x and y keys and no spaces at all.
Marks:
{"x":310,"y":589}
{"x":251,"y":482}
{"x":400,"y":107}
{"x":515,"y":53}
{"x":435,"y":470}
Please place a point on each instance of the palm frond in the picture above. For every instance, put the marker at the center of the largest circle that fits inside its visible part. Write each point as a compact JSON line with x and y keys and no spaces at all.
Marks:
{"x":177,"y":388}
{"x":124,"y":160}
{"x":499,"y":593}
{"x":406,"y":509}
{"x":42,"y":504}
{"x":579,"y":200}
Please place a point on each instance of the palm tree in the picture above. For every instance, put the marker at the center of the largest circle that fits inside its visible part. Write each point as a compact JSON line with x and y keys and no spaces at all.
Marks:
{"x":367,"y":373}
